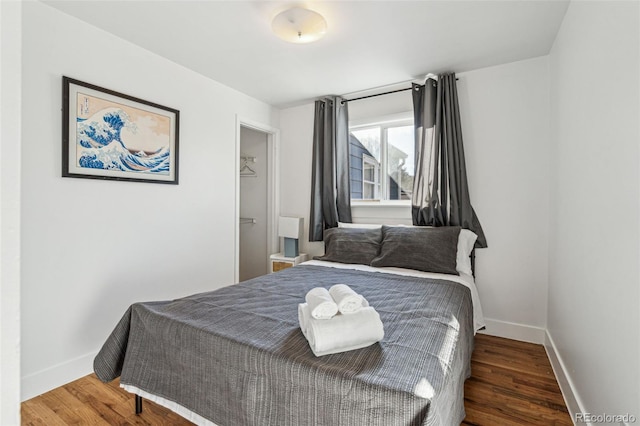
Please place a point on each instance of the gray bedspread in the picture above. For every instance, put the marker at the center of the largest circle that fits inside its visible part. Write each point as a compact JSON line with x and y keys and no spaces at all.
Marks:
{"x":237,"y":356}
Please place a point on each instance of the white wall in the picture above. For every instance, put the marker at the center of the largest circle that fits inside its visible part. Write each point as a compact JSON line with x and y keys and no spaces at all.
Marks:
{"x":10,"y":117}
{"x":381,"y":106}
{"x":90,"y":248}
{"x":296,"y":143}
{"x":593,"y":276}
{"x":505,"y":122}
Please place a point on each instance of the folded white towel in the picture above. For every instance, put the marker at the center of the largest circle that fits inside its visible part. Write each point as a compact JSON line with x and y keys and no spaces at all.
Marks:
{"x":321,"y":304}
{"x":303,"y":317}
{"x":341,"y":333}
{"x":348,"y":301}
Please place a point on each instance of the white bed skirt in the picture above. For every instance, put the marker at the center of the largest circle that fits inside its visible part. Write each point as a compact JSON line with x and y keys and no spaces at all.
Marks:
{"x":171,"y":405}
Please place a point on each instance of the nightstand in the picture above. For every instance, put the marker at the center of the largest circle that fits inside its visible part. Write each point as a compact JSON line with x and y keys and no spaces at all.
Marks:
{"x":278,"y":261}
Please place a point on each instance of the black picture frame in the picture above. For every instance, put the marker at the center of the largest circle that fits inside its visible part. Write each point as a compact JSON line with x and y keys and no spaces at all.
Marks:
{"x":109,"y":135}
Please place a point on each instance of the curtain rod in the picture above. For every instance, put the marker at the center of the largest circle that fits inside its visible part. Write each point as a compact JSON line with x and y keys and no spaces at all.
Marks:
{"x":377,"y":94}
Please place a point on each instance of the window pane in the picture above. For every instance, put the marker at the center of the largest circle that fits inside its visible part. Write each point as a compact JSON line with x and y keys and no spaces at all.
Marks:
{"x":370,"y":178}
{"x":364,"y":143}
{"x":370,"y":140}
{"x":368,"y":191}
{"x":400,"y":162}
{"x":368,"y":172}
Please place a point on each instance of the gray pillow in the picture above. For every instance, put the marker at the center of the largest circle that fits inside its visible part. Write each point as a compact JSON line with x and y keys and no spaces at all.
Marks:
{"x":421,"y":248}
{"x":351,"y":245}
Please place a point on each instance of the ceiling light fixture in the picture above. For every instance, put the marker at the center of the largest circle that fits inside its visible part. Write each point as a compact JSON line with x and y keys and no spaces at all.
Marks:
{"x":298,"y":25}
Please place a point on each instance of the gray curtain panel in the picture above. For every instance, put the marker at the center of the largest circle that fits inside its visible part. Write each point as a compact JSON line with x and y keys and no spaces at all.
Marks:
{"x":330,"y":190}
{"x":440,"y":189}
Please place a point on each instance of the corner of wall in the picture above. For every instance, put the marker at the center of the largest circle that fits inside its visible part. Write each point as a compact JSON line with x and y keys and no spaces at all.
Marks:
{"x":10,"y":169}
{"x":42,"y":381}
{"x":569,"y":392}
{"x":510,"y":330}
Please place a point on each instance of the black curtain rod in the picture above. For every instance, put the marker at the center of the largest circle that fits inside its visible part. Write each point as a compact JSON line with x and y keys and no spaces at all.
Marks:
{"x":378,"y":94}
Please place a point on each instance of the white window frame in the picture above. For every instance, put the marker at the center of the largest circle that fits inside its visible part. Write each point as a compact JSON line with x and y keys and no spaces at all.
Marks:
{"x":368,"y":159}
{"x":384,"y":122}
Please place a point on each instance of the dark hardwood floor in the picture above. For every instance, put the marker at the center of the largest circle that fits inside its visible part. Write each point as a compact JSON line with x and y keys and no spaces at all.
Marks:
{"x":511,"y":384}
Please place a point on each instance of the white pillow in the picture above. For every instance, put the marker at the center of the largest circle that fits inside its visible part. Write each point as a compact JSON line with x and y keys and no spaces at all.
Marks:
{"x":359,"y":225}
{"x":466,"y":241}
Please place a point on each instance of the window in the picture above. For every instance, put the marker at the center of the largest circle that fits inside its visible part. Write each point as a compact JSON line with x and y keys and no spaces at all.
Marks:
{"x":381,"y":160}
{"x":370,"y":178}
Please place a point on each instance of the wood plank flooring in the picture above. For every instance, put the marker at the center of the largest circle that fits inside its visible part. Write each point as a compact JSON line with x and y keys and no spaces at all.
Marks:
{"x":511,"y":384}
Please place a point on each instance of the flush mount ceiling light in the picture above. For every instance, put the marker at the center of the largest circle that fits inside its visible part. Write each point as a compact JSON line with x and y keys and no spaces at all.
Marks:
{"x":298,"y":25}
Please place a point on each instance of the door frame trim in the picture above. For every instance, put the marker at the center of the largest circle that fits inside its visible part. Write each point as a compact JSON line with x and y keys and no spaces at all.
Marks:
{"x":273,"y":195}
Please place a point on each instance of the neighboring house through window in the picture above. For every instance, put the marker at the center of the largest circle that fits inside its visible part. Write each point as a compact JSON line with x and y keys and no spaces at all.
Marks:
{"x":381,"y":160}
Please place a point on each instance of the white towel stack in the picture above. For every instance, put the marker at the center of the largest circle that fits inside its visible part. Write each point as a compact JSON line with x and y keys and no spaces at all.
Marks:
{"x":358,"y":328}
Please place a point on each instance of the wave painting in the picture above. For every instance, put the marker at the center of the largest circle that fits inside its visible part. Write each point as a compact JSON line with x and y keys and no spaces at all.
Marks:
{"x":112,"y":136}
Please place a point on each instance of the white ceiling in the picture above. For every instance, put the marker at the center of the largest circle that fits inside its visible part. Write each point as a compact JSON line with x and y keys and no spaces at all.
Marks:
{"x":368,"y":43}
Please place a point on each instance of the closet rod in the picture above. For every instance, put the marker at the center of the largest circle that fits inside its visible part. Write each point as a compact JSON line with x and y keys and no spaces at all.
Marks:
{"x":378,"y":94}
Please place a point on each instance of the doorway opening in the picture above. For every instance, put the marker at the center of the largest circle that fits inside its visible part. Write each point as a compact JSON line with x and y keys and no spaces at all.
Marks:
{"x":256,"y":190}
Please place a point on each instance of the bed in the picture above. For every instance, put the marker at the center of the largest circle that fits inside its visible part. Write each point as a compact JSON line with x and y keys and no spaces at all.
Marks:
{"x":236,"y":355}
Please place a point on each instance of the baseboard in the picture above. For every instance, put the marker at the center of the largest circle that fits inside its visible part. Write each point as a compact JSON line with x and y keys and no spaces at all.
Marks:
{"x":50,"y":378}
{"x":571,"y":398}
{"x":511,"y":330}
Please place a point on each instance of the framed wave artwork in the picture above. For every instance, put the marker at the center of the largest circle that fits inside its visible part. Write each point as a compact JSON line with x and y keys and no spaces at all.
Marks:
{"x":109,"y":135}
